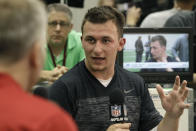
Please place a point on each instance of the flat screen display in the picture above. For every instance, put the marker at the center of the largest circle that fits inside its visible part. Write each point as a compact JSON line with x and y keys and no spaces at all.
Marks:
{"x":158,"y":52}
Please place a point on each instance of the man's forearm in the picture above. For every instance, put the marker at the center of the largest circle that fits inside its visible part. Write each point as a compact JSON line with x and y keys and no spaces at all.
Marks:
{"x":168,"y":124}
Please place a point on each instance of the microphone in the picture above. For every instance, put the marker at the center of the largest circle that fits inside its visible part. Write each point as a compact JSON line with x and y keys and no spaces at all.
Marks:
{"x":117,"y":108}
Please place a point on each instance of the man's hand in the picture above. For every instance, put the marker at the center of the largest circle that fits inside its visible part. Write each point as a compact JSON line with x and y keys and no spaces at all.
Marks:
{"x":133,"y":15}
{"x":178,"y":59}
{"x":169,"y":69}
{"x":173,"y":103}
{"x":119,"y":127}
{"x":54,"y":74}
{"x":61,"y":70}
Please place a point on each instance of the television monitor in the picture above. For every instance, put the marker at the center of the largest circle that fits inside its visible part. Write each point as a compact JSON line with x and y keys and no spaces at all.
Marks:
{"x":152,"y":68}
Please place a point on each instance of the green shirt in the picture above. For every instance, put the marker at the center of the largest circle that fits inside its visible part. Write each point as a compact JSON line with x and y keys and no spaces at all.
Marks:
{"x":74,"y":53}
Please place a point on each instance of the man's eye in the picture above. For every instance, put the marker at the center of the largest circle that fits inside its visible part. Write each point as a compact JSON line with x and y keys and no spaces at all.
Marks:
{"x":54,"y":23}
{"x":61,"y":23}
{"x":106,"y":41}
{"x":64,"y":24}
{"x":90,"y":40}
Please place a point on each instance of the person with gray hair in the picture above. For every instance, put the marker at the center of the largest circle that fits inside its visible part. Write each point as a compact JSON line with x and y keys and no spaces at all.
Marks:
{"x":85,"y":90}
{"x":64,"y":48}
{"x":22,"y":39}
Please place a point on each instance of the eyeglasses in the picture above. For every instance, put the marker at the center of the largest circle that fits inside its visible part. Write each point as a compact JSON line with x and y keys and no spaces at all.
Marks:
{"x":61,"y":23}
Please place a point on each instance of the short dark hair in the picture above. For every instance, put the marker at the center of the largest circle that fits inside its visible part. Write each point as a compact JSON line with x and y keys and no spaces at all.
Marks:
{"x":159,"y":38}
{"x":103,"y":14}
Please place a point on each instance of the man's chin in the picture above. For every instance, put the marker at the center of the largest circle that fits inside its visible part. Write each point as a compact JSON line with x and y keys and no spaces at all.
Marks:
{"x":97,"y":68}
{"x":56,"y":42}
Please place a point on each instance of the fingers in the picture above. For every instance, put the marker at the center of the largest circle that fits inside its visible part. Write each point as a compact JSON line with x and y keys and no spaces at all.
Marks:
{"x":60,"y":69}
{"x":135,"y":9}
{"x":53,"y":79}
{"x":58,"y":66}
{"x":183,"y":106}
{"x":176,"y":83}
{"x":120,"y":127}
{"x":185,"y":94}
{"x":160,"y":91}
{"x":183,"y":87}
{"x":123,"y":126}
{"x":173,"y":103}
{"x":55,"y":73}
{"x":64,"y":69}
{"x":183,"y":91}
{"x":133,"y":14}
{"x":186,"y":106}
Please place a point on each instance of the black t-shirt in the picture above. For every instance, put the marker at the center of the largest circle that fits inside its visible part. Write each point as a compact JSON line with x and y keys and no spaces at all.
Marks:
{"x":181,"y":19}
{"x":81,"y":94}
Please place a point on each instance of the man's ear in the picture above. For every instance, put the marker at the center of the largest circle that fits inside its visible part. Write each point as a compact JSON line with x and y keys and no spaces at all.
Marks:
{"x":35,"y":61}
{"x":70,"y":28}
{"x":81,"y":41}
{"x":36,"y":56}
{"x":122,"y":42}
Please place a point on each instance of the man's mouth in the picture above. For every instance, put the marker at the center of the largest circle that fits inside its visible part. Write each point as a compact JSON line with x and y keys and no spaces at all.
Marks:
{"x":57,"y":36}
{"x":98,"y":59}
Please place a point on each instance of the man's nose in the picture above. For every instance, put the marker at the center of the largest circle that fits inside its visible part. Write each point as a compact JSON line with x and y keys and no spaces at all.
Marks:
{"x":58,"y":27}
{"x":151,"y":51}
{"x":98,"y":47}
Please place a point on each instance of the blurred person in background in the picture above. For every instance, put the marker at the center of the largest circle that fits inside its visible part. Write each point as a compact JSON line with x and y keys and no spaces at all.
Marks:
{"x":139,"y":49}
{"x":158,"y":19}
{"x":132,"y":15}
{"x":180,"y":49}
{"x":147,"y":49}
{"x":111,"y":3}
{"x":64,"y":48}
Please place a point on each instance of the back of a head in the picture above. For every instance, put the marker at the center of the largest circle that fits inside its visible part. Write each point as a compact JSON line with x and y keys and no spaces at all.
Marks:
{"x":99,"y":15}
{"x":22,"y":23}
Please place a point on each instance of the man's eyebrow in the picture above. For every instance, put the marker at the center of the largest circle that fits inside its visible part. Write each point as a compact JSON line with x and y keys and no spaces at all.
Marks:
{"x":89,"y":36}
{"x":106,"y":37}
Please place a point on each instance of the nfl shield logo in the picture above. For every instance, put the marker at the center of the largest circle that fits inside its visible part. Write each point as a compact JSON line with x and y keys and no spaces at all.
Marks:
{"x":116,"y":110}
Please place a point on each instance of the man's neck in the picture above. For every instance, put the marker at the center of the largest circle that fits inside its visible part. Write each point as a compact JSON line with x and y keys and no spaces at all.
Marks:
{"x":104,"y":75}
{"x":56,"y":50}
{"x":163,"y":58}
{"x":15,"y":71}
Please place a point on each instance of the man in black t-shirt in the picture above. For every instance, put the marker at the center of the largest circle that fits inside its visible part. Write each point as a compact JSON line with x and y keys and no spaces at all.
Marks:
{"x":84,"y":90}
